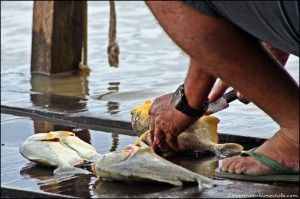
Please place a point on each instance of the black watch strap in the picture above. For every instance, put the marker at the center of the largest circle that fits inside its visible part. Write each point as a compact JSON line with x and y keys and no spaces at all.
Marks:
{"x":180,"y":102}
{"x":186,"y":109}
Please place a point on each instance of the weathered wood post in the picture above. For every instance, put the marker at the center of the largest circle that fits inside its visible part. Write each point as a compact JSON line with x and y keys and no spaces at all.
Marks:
{"x":57,"y":35}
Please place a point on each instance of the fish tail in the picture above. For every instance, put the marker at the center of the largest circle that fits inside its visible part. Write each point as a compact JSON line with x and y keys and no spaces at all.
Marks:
{"x":92,"y":158}
{"x":204,"y":182}
{"x":69,"y":170}
{"x":228,"y":149}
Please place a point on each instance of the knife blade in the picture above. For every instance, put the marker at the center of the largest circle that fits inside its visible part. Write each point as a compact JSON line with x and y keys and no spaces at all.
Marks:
{"x":221,"y":103}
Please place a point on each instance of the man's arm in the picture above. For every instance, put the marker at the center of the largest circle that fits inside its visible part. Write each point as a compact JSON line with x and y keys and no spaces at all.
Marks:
{"x":197,"y":85}
{"x":167,"y":122}
{"x":220,"y":87}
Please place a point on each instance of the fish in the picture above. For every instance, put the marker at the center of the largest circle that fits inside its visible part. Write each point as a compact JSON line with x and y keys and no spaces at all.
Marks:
{"x":136,"y":164}
{"x":59,"y":149}
{"x":84,"y":150}
{"x":200,"y":137}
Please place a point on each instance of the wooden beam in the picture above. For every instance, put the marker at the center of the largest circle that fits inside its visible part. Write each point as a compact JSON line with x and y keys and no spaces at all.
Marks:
{"x":57,"y":34}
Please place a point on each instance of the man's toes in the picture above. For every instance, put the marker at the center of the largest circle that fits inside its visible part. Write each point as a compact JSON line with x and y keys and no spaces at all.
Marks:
{"x":225,"y":163}
{"x":232,"y":166}
{"x":250,"y":166}
{"x":240,"y":167}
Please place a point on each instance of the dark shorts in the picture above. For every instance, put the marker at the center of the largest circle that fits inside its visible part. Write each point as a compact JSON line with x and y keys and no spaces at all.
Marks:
{"x":273,"y":22}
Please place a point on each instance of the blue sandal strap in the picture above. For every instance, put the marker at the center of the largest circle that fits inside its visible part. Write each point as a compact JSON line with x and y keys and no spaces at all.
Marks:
{"x":268,"y":162}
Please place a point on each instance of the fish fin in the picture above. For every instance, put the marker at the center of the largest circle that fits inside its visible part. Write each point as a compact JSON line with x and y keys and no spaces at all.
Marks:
{"x":228,"y":149}
{"x":144,"y":108}
{"x":49,"y":138}
{"x":93,"y":158}
{"x":174,"y":182}
{"x":148,"y":101}
{"x":67,"y":170}
{"x":204,"y":182}
{"x":140,"y":139}
{"x":62,"y":133}
{"x":213,"y":123}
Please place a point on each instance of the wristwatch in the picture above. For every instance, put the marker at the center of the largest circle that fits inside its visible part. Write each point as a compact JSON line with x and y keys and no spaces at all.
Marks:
{"x":180,"y":102}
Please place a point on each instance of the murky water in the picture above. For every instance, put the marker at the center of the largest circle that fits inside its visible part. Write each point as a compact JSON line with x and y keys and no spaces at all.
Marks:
{"x":150,"y":64}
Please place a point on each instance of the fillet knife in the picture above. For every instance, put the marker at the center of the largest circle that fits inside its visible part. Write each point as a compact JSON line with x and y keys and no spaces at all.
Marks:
{"x":222,"y":103}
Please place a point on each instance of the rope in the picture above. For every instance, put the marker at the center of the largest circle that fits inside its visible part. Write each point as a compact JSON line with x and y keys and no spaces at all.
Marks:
{"x":113,"y":47}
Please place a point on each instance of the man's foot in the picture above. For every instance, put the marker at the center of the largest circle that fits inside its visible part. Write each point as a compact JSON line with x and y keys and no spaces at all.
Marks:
{"x":280,"y":148}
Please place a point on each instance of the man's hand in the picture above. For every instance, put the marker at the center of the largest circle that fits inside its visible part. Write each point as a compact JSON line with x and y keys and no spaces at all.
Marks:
{"x":166,"y":124}
{"x":217,"y":91}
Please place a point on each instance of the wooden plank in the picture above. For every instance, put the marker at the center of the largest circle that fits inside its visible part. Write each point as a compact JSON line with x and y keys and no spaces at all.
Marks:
{"x":57,"y":34}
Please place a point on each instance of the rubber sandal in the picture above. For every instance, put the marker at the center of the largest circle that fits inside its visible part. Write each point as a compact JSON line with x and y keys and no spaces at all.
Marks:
{"x":283,"y":174}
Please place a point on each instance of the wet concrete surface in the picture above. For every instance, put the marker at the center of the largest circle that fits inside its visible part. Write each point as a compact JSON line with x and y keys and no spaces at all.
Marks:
{"x":19,"y":176}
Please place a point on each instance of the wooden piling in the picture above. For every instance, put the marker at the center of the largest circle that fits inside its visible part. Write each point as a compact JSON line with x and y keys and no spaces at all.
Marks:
{"x":57,"y":35}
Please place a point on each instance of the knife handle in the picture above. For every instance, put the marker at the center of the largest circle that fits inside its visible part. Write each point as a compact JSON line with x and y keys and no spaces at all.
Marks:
{"x":230,"y":96}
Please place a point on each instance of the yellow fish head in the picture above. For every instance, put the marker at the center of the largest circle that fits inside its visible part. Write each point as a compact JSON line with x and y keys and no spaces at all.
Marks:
{"x":140,"y":117}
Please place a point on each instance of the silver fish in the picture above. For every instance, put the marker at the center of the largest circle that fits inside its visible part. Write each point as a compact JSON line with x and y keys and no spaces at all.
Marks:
{"x":53,"y":149}
{"x":141,"y":164}
{"x":84,"y":150}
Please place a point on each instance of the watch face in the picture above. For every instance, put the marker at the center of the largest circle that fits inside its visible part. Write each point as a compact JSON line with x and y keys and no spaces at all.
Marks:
{"x":177,"y":96}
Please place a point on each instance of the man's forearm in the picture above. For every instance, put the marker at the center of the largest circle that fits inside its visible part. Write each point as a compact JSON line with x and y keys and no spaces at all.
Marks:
{"x":279,"y":56}
{"x":197,"y":85}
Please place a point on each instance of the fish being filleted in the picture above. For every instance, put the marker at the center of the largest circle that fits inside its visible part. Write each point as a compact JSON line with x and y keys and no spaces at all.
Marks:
{"x":61,"y":149}
{"x":202,"y":136}
{"x":141,"y":164}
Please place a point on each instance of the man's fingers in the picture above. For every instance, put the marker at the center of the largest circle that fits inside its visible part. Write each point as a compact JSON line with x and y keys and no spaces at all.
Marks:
{"x":242,"y":98}
{"x":171,"y":141}
{"x":217,"y":91}
{"x":158,"y":136}
{"x":152,"y":129}
{"x":163,"y":146}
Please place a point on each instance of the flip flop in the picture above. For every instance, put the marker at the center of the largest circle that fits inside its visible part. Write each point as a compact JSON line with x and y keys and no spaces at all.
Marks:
{"x":283,"y":174}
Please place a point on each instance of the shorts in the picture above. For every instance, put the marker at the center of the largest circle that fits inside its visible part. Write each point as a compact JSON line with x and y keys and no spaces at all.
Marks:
{"x":273,"y":22}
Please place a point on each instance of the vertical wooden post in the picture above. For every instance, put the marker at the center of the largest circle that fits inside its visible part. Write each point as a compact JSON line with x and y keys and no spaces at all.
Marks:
{"x":57,"y":34}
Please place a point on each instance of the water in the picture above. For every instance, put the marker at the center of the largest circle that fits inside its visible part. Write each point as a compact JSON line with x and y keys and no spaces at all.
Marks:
{"x":150,"y":64}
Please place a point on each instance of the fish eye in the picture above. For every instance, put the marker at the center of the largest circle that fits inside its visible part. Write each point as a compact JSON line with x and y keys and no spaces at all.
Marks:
{"x":136,"y":118}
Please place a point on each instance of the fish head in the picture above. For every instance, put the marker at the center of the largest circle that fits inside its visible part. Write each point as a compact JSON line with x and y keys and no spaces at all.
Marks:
{"x":114,"y":157}
{"x":140,"y":117}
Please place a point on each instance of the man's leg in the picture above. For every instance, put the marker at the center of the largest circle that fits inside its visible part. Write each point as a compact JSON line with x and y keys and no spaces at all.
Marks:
{"x":235,"y":57}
